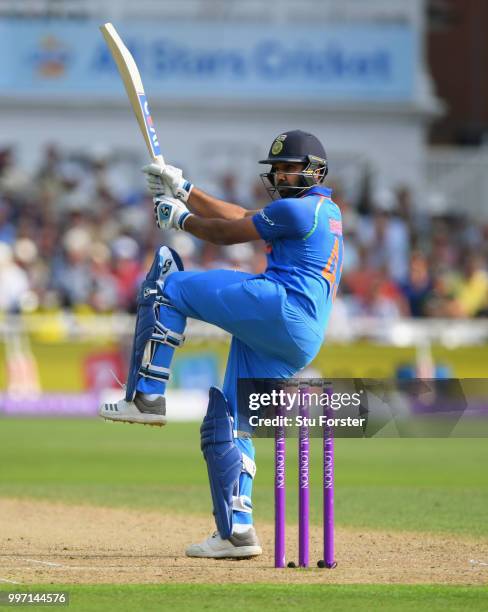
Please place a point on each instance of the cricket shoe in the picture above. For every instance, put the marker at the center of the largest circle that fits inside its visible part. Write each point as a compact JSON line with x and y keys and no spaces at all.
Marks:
{"x":140,"y":410}
{"x":238,"y":546}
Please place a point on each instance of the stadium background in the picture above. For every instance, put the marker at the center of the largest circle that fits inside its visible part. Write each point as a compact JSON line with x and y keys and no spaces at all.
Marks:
{"x":76,"y":231}
{"x":397,"y":92}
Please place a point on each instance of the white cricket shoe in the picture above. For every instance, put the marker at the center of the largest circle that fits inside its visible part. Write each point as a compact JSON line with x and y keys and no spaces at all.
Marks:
{"x":141,"y":410}
{"x":238,"y":546}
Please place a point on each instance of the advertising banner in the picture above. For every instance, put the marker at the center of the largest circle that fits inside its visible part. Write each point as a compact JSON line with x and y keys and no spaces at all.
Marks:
{"x":204,"y":61}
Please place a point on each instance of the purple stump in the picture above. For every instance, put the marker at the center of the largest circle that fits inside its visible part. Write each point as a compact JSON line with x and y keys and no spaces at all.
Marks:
{"x":280,"y":491}
{"x":328,"y":484}
{"x":303,"y":484}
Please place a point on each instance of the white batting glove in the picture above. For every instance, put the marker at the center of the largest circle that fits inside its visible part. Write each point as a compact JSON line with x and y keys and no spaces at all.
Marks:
{"x":170,"y":213}
{"x":158,"y":178}
{"x":156,"y":186}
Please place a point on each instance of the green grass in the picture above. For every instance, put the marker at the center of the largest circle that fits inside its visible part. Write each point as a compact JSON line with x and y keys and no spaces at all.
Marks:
{"x":436,"y":485}
{"x":394,"y":598}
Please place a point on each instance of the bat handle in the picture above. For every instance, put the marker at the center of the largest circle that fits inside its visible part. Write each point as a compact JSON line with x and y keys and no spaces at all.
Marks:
{"x":159,"y":159}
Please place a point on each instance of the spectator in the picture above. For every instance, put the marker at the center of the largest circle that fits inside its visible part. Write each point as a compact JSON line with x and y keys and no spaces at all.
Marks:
{"x":13,"y":281}
{"x":471,"y":296}
{"x":71,"y":272}
{"x":127,"y":271}
{"x":77,"y":232}
{"x":7,"y":229}
{"x":418,"y":287}
{"x":380,"y":299}
{"x":387,"y":239}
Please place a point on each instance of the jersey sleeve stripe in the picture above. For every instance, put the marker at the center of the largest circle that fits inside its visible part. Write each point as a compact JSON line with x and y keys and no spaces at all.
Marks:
{"x":315,"y":220}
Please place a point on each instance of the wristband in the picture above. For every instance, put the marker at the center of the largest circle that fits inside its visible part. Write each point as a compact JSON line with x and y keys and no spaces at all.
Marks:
{"x":184,"y":190}
{"x":183,"y":218}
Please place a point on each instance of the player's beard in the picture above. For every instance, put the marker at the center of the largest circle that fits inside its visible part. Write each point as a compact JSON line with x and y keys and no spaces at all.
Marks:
{"x":286,"y":190}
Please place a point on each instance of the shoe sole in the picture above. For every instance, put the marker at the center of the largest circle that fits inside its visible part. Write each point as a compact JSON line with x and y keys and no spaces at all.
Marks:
{"x":242,"y":552}
{"x":157,"y":421}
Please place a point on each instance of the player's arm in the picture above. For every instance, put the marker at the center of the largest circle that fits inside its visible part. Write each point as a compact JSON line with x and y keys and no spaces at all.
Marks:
{"x":172,"y":213}
{"x":161,"y":179}
{"x":205,"y":205}
{"x":281,"y":219}
{"x":222,"y":231}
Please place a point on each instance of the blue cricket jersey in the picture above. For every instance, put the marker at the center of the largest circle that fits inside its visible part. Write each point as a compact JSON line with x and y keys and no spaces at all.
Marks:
{"x":305,"y":250}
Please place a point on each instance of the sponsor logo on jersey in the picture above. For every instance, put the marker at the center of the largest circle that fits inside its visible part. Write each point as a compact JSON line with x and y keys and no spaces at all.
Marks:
{"x":266,"y":218}
{"x":335,"y":226}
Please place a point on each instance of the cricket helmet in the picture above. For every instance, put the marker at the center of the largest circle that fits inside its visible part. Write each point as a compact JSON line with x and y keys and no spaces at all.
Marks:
{"x":295,"y":147}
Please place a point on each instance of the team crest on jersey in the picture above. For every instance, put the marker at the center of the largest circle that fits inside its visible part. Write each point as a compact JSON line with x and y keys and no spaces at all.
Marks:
{"x":278,"y":144}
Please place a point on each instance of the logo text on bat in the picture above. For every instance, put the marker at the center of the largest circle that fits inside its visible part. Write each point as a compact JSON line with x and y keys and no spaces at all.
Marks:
{"x":149,"y":124}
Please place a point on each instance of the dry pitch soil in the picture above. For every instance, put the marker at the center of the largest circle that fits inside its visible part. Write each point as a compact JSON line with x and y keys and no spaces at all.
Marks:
{"x":43,"y":542}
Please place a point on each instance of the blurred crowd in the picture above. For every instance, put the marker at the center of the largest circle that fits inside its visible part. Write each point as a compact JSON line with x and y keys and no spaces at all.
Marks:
{"x":77,"y":233}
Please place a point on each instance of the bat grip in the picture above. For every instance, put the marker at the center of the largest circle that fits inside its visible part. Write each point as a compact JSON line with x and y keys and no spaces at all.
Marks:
{"x":159,"y":159}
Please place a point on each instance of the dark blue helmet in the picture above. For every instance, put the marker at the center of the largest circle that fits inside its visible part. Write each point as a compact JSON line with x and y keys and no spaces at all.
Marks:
{"x":295,"y":147}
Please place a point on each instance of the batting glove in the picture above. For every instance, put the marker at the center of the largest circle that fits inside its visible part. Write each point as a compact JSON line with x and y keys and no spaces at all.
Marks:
{"x":159,"y":178}
{"x":170,"y":213}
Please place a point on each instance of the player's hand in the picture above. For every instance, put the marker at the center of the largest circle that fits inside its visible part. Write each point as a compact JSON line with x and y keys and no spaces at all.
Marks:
{"x":170,"y":213}
{"x":155,"y":184}
{"x":159,"y":178}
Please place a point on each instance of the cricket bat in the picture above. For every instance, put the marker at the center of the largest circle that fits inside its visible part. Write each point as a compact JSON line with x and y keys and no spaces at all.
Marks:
{"x":133,"y":85}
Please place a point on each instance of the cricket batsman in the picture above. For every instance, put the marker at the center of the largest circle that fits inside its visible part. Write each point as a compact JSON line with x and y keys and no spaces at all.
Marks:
{"x":277,"y":319}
